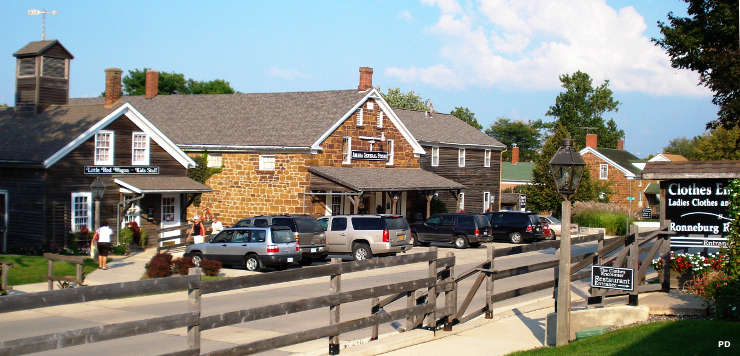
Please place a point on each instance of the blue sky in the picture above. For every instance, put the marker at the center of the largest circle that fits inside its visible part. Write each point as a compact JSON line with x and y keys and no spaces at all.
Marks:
{"x":498,"y":58}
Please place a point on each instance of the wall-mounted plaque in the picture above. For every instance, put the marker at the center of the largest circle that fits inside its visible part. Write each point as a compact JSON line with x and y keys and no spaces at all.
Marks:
{"x":370,"y":155}
{"x":121,"y":169}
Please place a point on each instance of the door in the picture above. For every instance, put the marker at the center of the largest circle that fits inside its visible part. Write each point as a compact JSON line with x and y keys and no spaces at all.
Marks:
{"x":170,"y":216}
{"x":336,"y":236}
{"x":447,"y":228}
{"x":4,"y":220}
{"x":497,"y":225}
{"x":218,"y":247}
{"x":235,"y":250}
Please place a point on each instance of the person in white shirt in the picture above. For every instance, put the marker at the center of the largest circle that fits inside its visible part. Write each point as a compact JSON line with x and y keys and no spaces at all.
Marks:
{"x":216,"y":225}
{"x":102,"y":239}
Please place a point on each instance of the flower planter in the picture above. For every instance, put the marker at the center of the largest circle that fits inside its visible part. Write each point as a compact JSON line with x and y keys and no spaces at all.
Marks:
{"x":681,"y":280}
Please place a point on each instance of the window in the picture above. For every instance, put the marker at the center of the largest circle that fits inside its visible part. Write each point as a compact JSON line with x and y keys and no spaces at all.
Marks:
{"x":336,"y":204}
{"x":487,"y":158}
{"x":347,"y":150}
{"x":380,"y":119}
{"x":461,"y":157}
{"x":391,"y":153}
{"x":104,"y":147}
{"x":434,"y":221}
{"x":267,"y":163}
{"x":81,"y":211}
{"x":486,"y":201}
{"x":466,"y":222}
{"x":603,"y":171}
{"x":435,"y":156}
{"x":462,"y":201}
{"x":53,"y":67}
{"x":339,"y":224}
{"x":366,"y":224}
{"x":168,"y":209}
{"x":215,"y":160}
{"x":360,"y":118}
{"x":448,"y":220}
{"x":370,"y":105}
{"x":140,"y":149}
{"x":27,"y":67}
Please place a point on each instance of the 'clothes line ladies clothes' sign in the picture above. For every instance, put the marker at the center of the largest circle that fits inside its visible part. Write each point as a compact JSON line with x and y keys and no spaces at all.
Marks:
{"x":698,"y":207}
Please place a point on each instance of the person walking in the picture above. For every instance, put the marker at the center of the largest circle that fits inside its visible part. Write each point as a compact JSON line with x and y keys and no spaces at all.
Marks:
{"x":102,"y":240}
{"x":216,"y":225}
{"x":197,"y":230}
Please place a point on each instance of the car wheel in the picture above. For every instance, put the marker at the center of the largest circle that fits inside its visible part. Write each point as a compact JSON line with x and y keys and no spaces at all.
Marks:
{"x":252,"y":263}
{"x":515,"y":237}
{"x":361,"y":251}
{"x":197,"y":257}
{"x":461,"y":242}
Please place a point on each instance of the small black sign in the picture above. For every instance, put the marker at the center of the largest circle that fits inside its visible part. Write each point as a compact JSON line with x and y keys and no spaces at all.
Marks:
{"x":370,"y":155}
{"x":647,"y":213}
{"x":612,"y":277}
{"x":121,"y":169}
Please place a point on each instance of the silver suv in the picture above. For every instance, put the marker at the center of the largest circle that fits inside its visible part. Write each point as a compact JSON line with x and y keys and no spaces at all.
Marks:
{"x":366,"y":235}
{"x":306,"y":230}
{"x":251,"y":247}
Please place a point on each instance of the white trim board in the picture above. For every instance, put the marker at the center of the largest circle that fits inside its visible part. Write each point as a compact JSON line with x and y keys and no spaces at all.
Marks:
{"x":140,"y":121}
{"x":606,"y":159}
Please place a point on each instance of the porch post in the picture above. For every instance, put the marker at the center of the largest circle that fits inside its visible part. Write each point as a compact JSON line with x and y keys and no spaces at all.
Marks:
{"x":429,"y":196}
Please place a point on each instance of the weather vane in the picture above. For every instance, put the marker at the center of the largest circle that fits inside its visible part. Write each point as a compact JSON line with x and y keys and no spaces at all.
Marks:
{"x":35,"y":12}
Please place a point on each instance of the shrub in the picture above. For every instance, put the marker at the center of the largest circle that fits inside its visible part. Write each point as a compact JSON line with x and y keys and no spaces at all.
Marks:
{"x":210,"y":267}
{"x":615,"y":224}
{"x":182,"y":264}
{"x":159,"y":266}
{"x":119,"y":249}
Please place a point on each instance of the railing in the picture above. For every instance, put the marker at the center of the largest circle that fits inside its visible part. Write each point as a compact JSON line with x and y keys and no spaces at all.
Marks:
{"x":183,"y":229}
{"x":65,"y":281}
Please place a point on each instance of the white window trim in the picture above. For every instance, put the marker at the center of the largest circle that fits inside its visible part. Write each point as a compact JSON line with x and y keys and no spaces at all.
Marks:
{"x":462,"y":202}
{"x":348,"y":159}
{"x":486,"y":158}
{"x":360,"y":117}
{"x":486,"y":201}
{"x":380,"y":119}
{"x":263,"y":163}
{"x":461,"y":157}
{"x":88,"y":195}
{"x":112,"y":147}
{"x":145,"y":162}
{"x":435,"y":156}
{"x":211,"y":164}
{"x":391,"y":153}
{"x":603,"y":165}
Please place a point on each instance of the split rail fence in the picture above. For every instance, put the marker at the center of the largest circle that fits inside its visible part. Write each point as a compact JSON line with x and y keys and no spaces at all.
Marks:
{"x":183,"y":234}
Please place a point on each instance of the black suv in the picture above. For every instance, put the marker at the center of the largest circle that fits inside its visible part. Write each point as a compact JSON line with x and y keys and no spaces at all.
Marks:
{"x":462,"y":230}
{"x":306,"y":229}
{"x":516,"y":226}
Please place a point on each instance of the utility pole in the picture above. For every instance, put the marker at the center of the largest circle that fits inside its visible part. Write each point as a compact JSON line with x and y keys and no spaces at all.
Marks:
{"x":35,"y":12}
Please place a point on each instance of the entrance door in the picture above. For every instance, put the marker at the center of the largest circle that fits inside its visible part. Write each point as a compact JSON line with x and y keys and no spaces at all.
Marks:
{"x":4,"y":220}
{"x":170,"y":216}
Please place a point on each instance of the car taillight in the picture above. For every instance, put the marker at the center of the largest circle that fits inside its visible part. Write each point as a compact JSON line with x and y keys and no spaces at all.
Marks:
{"x":273,"y":248}
{"x":386,"y":235}
{"x":297,"y":248}
{"x":529,"y":228}
{"x":323,"y":238}
{"x":477,"y":232}
{"x":297,"y":238}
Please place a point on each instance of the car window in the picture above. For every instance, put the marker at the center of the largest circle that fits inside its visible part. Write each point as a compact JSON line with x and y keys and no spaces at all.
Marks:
{"x":324,"y":222}
{"x":260,"y":222}
{"x":553,"y":220}
{"x":339,"y":224}
{"x":223,"y":236}
{"x":498,"y":218}
{"x":287,"y":222}
{"x":533,"y":219}
{"x":308,"y":224}
{"x":466,"y":221}
{"x":448,"y":220}
{"x":282,"y":236}
{"x":395,"y":223}
{"x":243,"y":223}
{"x":434,"y":220}
{"x":482,"y":221}
{"x":257,"y":236}
{"x":366,"y":224}
{"x":240,"y":236}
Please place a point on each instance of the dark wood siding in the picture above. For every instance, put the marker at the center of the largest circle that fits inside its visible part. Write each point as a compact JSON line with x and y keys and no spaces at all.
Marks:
{"x":476,"y":178}
{"x":56,"y":51}
{"x":25,"y":189}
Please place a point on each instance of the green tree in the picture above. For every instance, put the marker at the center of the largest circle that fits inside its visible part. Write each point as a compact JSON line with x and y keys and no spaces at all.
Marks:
{"x":134,"y":83}
{"x":466,"y":115}
{"x":581,"y":109}
{"x":683,"y":146}
{"x":398,"y":99}
{"x":523,"y":134}
{"x":200,"y":173}
{"x":707,"y":42}
{"x":217,"y":86}
{"x":719,"y":144}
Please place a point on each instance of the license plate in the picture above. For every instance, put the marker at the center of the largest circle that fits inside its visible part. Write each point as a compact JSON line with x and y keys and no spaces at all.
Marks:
{"x":290,"y":259}
{"x":401,"y":237}
{"x":485,"y":233}
{"x":313,"y":249}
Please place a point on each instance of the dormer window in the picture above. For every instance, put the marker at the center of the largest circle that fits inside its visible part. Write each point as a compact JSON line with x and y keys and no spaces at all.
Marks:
{"x":360,"y":120}
{"x":104,"y":148}
{"x":140,"y":149}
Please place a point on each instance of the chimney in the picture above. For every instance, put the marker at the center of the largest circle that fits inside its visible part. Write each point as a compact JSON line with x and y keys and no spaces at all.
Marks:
{"x":152,"y":83}
{"x":591,"y":140}
{"x":366,"y":78}
{"x":112,"y":86}
{"x":620,"y":145}
{"x":514,"y":154}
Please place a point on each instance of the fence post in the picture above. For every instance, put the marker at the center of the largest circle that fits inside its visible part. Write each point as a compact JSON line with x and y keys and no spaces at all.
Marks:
{"x":4,"y":278}
{"x":450,"y":295}
{"x":634,"y":265}
{"x":410,"y":303}
{"x":597,"y":262}
{"x":335,"y":285}
{"x":374,"y":309}
{"x":50,"y":272}
{"x":78,"y":273}
{"x":194,"y":308}
{"x":432,"y":291}
{"x":665,"y":253}
{"x":489,"y":283}
{"x":556,"y":271}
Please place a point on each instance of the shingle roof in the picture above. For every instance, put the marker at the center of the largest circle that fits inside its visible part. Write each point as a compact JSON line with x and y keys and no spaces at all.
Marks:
{"x":38,"y":47}
{"x":692,"y":170}
{"x":385,"y":179}
{"x":444,"y":128}
{"x":622,"y":158}
{"x":674,"y":157}
{"x":520,"y":172}
{"x":159,"y":184}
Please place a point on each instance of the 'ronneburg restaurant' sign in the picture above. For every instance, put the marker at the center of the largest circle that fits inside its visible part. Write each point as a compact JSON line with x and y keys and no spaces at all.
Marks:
{"x":370,"y":155}
{"x":612,"y":277}
{"x":698,"y":207}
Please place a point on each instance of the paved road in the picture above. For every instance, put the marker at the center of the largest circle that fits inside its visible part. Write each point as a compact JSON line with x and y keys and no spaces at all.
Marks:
{"x":48,"y":320}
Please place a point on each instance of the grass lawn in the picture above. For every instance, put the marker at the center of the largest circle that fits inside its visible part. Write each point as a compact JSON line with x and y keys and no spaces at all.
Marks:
{"x":32,"y":269}
{"x":682,"y":337}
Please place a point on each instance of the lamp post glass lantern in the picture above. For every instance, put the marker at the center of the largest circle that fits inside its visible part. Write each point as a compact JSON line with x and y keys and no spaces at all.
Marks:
{"x":98,"y":191}
{"x":566,"y":167}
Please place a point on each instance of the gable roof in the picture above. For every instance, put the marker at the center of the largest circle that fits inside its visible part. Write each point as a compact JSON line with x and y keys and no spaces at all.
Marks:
{"x":445,"y":129}
{"x":620,"y":159}
{"x":668,"y":157}
{"x":520,"y":172}
{"x":35,"y":48}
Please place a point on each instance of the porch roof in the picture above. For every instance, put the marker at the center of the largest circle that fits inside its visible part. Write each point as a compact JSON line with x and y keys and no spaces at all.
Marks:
{"x":367,"y":179}
{"x":161,"y":184}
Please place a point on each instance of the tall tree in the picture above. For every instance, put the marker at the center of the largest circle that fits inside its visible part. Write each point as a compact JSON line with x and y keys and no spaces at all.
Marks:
{"x":398,"y":99}
{"x":134,"y":83}
{"x":683,"y":146}
{"x":719,"y":144}
{"x":466,"y":115}
{"x":523,"y":134}
{"x":581,"y":109}
{"x":707,"y":42}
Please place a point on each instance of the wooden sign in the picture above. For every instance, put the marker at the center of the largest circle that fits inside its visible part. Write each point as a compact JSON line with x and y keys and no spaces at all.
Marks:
{"x":612,"y":277}
{"x":369,"y":155}
{"x":121,"y":169}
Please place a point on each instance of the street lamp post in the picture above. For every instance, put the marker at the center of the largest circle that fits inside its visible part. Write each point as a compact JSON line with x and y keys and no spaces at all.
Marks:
{"x":98,"y":190}
{"x":566,"y":167}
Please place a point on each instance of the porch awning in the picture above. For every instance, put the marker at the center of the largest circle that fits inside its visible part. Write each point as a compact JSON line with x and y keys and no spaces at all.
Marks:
{"x":384,"y":179}
{"x":161,"y":184}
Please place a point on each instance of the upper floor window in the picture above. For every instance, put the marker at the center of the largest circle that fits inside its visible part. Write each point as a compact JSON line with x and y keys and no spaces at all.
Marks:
{"x":486,"y":201}
{"x":380,"y":119}
{"x":360,"y":118}
{"x":487,"y":158}
{"x":435,"y":156}
{"x":370,"y":105}
{"x":347,"y":150}
{"x":391,"y":153}
{"x":140,"y":148}
{"x":267,"y":163}
{"x":215,"y":160}
{"x":104,"y":147}
{"x":81,"y":211}
{"x":461,"y":157}
{"x":603,"y":171}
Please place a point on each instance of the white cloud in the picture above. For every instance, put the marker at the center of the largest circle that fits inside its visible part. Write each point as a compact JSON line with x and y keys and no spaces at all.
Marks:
{"x":405,"y":15}
{"x":287,"y":74}
{"x":529,"y":43}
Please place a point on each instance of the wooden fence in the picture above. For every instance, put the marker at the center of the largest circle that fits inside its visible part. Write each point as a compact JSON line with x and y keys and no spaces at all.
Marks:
{"x":183,"y":229}
{"x":4,"y":270}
